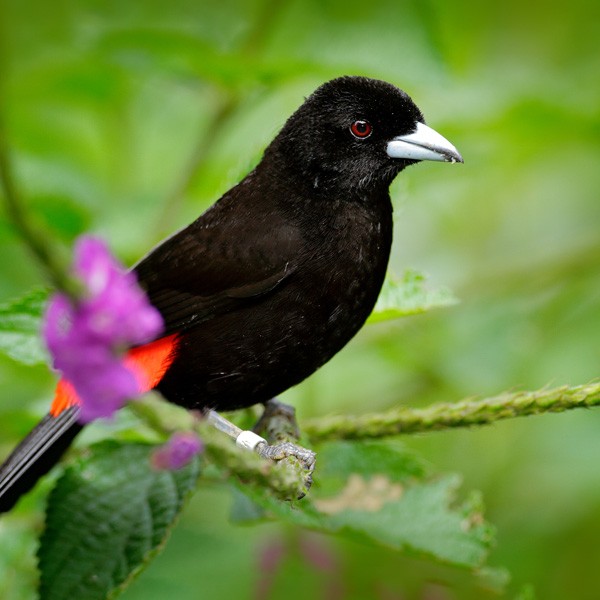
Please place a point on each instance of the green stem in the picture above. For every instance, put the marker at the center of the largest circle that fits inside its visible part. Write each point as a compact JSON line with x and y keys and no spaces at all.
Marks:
{"x":465,"y":413}
{"x":161,"y":416}
{"x":173,"y":202}
{"x":284,"y":479}
{"x":229,"y":103}
{"x":35,"y":239}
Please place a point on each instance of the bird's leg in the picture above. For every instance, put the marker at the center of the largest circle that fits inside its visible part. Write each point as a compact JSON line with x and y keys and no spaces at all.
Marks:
{"x":278,"y":422}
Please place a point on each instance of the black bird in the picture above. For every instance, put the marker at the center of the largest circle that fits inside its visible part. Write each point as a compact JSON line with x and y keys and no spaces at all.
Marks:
{"x":277,"y":276}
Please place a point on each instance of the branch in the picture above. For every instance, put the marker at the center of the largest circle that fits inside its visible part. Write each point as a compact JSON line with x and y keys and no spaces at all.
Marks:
{"x":35,"y":238}
{"x":173,"y":201}
{"x":230,"y":100}
{"x":465,"y":413}
{"x":284,"y":478}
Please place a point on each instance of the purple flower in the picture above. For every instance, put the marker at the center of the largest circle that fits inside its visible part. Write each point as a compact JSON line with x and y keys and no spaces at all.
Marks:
{"x":179,"y":450}
{"x":88,"y":338}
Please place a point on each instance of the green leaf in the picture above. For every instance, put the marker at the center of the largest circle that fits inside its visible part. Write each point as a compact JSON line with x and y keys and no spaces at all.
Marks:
{"x":341,"y":459}
{"x":408,"y":296}
{"x":386,"y":499}
{"x":20,"y":326}
{"x":107,"y":516}
{"x":418,"y":518}
{"x":244,"y":510}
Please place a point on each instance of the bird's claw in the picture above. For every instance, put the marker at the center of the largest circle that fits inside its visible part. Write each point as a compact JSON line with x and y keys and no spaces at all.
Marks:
{"x":285,"y":450}
{"x":278,"y":424}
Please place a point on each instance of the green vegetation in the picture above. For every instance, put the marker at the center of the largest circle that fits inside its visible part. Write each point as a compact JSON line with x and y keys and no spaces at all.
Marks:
{"x":129,"y":118}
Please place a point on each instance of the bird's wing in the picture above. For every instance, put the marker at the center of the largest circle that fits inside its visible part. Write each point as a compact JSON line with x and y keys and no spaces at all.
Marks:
{"x":214,"y":266}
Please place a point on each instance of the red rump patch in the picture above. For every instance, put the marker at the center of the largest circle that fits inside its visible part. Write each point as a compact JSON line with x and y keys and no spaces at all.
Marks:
{"x":148,"y":363}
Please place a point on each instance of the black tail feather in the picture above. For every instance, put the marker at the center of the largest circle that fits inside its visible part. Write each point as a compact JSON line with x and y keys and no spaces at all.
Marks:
{"x":36,"y":455}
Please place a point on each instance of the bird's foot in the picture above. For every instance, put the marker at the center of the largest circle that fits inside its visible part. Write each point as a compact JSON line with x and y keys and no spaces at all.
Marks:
{"x":287,"y":450}
{"x":278,"y":421}
{"x":278,"y":424}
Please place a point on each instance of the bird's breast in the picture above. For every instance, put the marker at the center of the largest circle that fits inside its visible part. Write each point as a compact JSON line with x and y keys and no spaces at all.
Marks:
{"x":344,"y":274}
{"x":278,"y":339}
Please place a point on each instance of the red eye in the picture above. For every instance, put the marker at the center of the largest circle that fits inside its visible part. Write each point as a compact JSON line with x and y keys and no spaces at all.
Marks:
{"x":361,"y":129}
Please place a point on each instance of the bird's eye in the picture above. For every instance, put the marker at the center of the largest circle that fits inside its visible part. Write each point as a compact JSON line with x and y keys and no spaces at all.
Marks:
{"x":361,"y":129}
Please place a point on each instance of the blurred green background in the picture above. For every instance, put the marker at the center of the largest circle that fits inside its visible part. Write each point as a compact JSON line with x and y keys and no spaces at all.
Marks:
{"x":129,"y":118}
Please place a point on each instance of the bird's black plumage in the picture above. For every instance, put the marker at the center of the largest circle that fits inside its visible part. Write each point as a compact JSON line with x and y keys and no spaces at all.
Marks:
{"x":284,"y":269}
{"x":278,"y":275}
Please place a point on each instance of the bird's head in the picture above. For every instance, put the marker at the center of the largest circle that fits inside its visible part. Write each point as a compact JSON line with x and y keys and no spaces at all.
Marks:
{"x":358,"y":133}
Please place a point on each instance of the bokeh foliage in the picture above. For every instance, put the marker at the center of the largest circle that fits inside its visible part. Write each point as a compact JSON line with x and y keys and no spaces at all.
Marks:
{"x":129,"y":118}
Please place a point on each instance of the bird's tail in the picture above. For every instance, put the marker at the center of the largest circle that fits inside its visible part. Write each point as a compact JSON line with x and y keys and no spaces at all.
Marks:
{"x":36,"y":455}
{"x":47,"y":441}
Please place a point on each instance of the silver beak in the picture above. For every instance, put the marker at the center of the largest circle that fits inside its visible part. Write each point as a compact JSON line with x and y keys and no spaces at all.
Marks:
{"x":423,"y":144}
